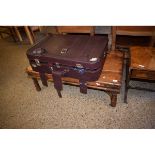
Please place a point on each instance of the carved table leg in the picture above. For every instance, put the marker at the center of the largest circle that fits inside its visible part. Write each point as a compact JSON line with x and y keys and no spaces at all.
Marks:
{"x":113,"y":100}
{"x":113,"y":97}
{"x":35,"y":81}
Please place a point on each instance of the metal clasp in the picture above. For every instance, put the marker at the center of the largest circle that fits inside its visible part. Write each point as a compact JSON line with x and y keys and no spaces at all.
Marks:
{"x":37,"y":62}
{"x":57,"y":65}
{"x":79,"y":66}
{"x":64,"y":51}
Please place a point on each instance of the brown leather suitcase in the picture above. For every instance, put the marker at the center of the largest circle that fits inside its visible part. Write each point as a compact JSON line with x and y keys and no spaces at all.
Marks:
{"x":77,"y":56}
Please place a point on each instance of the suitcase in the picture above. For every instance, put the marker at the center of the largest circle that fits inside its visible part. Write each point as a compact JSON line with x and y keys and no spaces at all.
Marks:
{"x":76,"y":56}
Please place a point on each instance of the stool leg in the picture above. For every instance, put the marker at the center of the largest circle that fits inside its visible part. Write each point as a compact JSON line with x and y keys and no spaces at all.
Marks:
{"x":11,"y":29}
{"x":28,"y":33}
{"x":109,"y":42}
{"x":113,"y":100}
{"x":18,"y":34}
{"x":35,"y":81}
{"x":1,"y":35}
{"x":114,"y":37}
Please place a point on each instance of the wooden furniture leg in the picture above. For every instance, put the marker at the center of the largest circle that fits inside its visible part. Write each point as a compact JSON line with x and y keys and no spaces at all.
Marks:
{"x":28,"y":33}
{"x":152,"y":39}
{"x":92,"y":32}
{"x":109,"y":42}
{"x":113,"y":99}
{"x":113,"y":37}
{"x":32,"y":33}
{"x":12,"y":33}
{"x":18,"y":34}
{"x":127,"y":79}
{"x":1,"y":35}
{"x":40,"y":28}
{"x":35,"y":81}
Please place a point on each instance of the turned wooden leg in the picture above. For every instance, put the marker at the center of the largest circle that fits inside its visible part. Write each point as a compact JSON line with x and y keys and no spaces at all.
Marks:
{"x":18,"y":34}
{"x":113,"y":97}
{"x":113,"y":100}
{"x":35,"y":81}
{"x":28,"y":33}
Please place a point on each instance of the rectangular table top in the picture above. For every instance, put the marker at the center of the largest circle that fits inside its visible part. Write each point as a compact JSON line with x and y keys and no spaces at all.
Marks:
{"x":142,"y":58}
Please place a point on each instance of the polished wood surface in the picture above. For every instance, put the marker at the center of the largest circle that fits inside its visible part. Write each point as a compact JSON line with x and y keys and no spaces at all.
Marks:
{"x":133,"y":31}
{"x":143,"y":74}
{"x":140,"y":66}
{"x":136,"y":28}
{"x":76,"y":29}
{"x":110,"y":79}
{"x":143,"y":58}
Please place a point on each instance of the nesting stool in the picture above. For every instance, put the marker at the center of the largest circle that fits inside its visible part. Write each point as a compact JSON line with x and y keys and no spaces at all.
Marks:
{"x":140,"y":66}
{"x":109,"y":81}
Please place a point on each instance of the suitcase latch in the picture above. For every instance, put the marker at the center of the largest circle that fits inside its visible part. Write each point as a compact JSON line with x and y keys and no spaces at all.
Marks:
{"x":57,"y":65}
{"x":79,"y":66}
{"x":93,"y":60}
{"x":37,"y":62}
{"x":64,"y":51}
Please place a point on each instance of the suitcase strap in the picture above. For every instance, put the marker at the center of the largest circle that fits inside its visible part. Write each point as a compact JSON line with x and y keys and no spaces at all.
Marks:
{"x":83,"y":86}
{"x":57,"y":81}
{"x":43,"y":79}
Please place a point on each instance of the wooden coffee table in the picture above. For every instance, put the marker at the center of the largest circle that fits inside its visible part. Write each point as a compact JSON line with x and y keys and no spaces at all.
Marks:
{"x":140,"y":66}
{"x":110,"y":79}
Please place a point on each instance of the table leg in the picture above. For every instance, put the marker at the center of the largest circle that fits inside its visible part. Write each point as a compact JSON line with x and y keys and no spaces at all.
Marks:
{"x":113,"y":100}
{"x":18,"y":34}
{"x":12,"y":32}
{"x":152,"y":39}
{"x":1,"y":35}
{"x":40,"y":28}
{"x":109,"y":42}
{"x":127,"y":79}
{"x":28,"y":33}
{"x":113,"y":37}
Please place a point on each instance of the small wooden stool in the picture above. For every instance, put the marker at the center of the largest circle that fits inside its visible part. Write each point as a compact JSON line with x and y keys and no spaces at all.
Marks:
{"x":110,"y":80}
{"x":140,"y":66}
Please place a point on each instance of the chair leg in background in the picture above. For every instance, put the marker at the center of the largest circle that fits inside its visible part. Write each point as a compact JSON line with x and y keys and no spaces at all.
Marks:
{"x":127,"y":79}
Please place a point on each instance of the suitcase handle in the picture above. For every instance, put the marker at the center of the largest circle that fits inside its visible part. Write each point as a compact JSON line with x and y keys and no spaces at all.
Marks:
{"x":57,"y":81}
